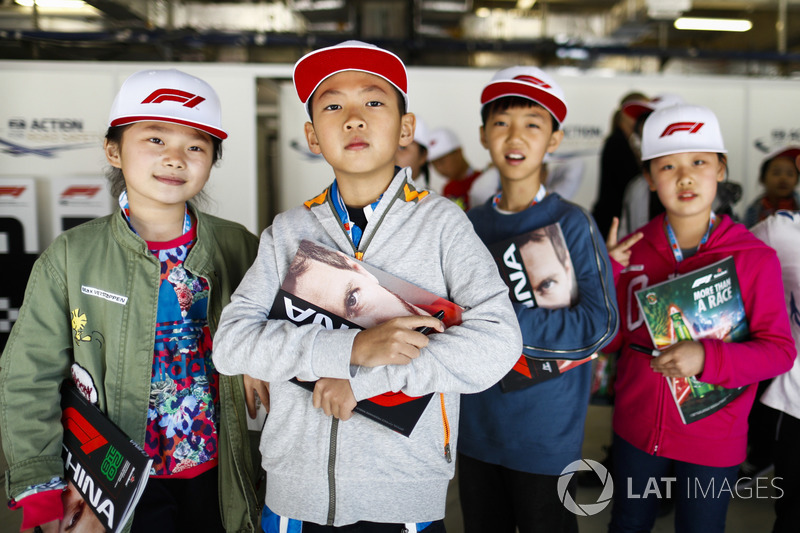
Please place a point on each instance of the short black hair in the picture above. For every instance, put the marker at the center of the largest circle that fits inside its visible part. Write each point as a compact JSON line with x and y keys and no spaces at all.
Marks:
{"x":401,"y":103}
{"x":508,"y":102}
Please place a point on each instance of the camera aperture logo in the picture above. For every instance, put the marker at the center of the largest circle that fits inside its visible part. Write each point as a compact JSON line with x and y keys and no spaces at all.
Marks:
{"x":585,"y":509}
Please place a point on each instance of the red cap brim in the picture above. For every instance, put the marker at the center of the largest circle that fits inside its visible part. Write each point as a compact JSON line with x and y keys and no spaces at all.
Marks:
{"x":792,"y":152}
{"x":317,"y":66}
{"x":636,"y":109}
{"x":214,"y":132}
{"x":548,"y":100}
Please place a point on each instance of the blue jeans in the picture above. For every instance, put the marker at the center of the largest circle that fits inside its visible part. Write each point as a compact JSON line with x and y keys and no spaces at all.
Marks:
{"x":701,"y":493}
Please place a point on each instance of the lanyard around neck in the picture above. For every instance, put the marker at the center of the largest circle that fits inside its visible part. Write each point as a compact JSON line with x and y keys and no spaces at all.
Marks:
{"x":673,"y":241}
{"x":123,"y":204}
{"x":353,"y":231}
{"x":540,"y":194}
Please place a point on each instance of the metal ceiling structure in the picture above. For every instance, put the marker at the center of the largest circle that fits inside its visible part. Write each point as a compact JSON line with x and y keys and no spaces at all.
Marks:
{"x":620,"y":34}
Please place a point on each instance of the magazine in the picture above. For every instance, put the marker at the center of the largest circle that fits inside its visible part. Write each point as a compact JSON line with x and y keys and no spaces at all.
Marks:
{"x":327,"y":287}
{"x":106,"y":468}
{"x":705,"y":303}
{"x":538,"y":270}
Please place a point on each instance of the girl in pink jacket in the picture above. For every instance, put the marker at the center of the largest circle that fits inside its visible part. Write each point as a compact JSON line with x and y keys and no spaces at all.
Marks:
{"x":655,"y":454}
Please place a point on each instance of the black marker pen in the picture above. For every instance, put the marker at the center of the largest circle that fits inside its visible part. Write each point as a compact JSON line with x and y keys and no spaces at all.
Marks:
{"x":427,"y":329}
{"x":645,"y":349}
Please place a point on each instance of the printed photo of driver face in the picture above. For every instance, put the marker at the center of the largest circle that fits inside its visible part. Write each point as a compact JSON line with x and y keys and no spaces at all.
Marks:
{"x":549,"y":268}
{"x":78,"y":516}
{"x":341,"y":285}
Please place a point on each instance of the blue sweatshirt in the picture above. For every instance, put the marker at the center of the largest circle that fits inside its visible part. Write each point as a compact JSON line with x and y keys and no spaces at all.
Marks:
{"x":539,"y":429}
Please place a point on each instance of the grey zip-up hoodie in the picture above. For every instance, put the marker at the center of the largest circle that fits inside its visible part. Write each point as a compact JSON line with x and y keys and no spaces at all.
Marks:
{"x":320,"y":469}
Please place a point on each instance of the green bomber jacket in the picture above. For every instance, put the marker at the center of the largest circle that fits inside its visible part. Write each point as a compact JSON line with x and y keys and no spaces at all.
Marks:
{"x":91,"y":299}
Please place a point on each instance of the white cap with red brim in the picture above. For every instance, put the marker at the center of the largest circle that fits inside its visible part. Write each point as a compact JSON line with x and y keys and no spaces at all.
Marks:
{"x":527,"y":82}
{"x":789,"y":152}
{"x":441,"y":142}
{"x":317,"y":66}
{"x":168,"y":96}
{"x":681,"y":128}
{"x":635,"y":108}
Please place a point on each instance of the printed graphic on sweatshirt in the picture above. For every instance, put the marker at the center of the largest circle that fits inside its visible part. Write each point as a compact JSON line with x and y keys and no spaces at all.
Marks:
{"x":182,"y":417}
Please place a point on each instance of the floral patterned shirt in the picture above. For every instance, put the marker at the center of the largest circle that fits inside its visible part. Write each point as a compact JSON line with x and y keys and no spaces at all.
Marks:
{"x":184,"y":390}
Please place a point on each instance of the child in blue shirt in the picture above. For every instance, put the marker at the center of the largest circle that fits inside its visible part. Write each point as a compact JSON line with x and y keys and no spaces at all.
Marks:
{"x":514,"y":445}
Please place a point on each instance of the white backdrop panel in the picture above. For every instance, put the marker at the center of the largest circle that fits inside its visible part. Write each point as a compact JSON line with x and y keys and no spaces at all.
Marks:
{"x":66,"y":103}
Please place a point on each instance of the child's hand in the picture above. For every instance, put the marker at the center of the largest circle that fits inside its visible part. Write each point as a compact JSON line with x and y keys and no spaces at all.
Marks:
{"x":620,"y":252}
{"x":335,"y":397}
{"x":255,"y":389}
{"x":684,"y":359}
{"x":394,"y":342}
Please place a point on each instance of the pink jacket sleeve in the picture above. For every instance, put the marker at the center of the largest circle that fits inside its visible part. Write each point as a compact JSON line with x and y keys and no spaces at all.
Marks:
{"x":770,"y":349}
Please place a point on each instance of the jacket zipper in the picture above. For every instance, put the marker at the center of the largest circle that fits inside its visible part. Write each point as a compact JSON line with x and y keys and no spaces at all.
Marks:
{"x":359,"y":255}
{"x":660,"y":412}
{"x":332,"y":471}
{"x":446,"y":425}
{"x":659,"y":417}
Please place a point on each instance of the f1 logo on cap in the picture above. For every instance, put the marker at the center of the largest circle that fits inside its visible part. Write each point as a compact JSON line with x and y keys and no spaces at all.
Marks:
{"x":532,"y":80}
{"x":691,"y":127}
{"x":173,"y":95}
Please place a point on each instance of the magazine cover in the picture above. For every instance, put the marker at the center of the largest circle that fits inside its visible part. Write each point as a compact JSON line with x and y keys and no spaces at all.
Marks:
{"x":705,"y":303}
{"x":327,"y":287}
{"x":103,"y":466}
{"x":538,"y":270}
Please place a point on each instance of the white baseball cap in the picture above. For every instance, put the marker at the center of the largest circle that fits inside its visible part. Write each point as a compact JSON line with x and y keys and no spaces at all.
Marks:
{"x":168,"y":96}
{"x":317,"y":66}
{"x":635,"y":108}
{"x":441,"y":142}
{"x":527,"y":82}
{"x":422,"y":133}
{"x":789,"y":152}
{"x":681,"y":128}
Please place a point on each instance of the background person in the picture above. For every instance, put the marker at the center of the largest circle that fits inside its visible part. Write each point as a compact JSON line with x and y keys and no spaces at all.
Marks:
{"x":618,"y":165}
{"x":415,"y":156}
{"x":465,"y":185}
{"x":778,"y":175}
{"x":781,"y":231}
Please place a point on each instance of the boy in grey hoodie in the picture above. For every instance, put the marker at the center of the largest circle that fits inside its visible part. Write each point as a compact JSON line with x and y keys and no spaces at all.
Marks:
{"x":325,"y":468}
